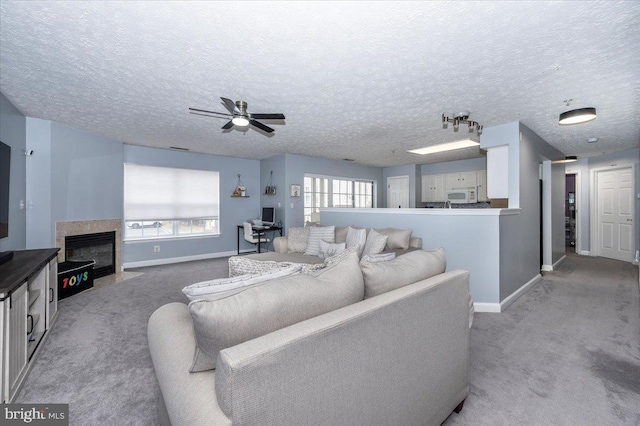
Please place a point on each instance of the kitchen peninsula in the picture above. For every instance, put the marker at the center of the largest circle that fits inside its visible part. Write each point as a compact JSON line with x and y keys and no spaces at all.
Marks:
{"x":486,"y":242}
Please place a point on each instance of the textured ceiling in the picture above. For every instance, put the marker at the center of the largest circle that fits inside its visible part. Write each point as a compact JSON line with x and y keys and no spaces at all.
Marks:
{"x":358,"y":80}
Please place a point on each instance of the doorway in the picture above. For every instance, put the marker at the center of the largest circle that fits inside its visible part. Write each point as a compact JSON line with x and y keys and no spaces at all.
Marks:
{"x":612,"y":224}
{"x":570,"y":210}
{"x":398,"y":192}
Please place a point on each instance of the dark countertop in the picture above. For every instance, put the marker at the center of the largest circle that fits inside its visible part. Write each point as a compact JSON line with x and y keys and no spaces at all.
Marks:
{"x":24,"y":264}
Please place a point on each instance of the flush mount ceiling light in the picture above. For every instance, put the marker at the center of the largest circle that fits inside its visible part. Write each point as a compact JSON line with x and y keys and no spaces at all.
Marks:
{"x":461,"y":117}
{"x":567,"y":159}
{"x":577,"y":116}
{"x":444,"y":147}
{"x":592,"y":140}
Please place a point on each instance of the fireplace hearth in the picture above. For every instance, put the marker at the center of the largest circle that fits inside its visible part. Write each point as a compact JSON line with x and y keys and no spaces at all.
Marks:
{"x":98,"y":247}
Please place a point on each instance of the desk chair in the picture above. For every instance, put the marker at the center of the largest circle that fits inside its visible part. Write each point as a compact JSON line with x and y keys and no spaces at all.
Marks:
{"x":254,"y":237}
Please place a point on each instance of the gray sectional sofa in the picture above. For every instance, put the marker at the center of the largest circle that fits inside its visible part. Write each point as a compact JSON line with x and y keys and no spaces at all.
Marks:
{"x":399,"y":357}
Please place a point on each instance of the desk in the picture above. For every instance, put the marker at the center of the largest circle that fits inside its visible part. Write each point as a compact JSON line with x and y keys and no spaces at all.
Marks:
{"x":264,"y":229}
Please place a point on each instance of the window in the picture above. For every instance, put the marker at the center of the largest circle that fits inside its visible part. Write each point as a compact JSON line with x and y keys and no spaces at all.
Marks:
{"x":162,"y":202}
{"x":322,"y":191}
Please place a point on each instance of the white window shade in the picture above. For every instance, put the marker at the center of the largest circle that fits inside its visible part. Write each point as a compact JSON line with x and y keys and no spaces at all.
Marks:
{"x":152,"y":193}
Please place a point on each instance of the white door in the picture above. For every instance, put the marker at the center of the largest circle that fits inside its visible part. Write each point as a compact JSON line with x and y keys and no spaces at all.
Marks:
{"x":615,"y":214}
{"x":398,"y":192}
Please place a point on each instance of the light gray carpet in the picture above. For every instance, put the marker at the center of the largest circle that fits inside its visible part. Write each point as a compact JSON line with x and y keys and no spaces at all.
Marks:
{"x":566,"y":353}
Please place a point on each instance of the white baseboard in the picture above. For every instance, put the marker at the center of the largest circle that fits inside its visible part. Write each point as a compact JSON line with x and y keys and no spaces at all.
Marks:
{"x":585,"y":253}
{"x":546,"y":268}
{"x":562,"y":259}
{"x":519,"y":292}
{"x":169,"y":260}
{"x":486,"y":307}
{"x":500,"y":307}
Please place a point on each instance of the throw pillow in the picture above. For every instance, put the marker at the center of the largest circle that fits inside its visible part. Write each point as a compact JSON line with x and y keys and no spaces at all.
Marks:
{"x":381,"y":257}
{"x":328,"y":249}
{"x":276,"y":304}
{"x":297,"y":239}
{"x":396,"y":238}
{"x":407,"y":269}
{"x":375,"y":243}
{"x":341,"y":234}
{"x":241,"y":265}
{"x":317,"y":234}
{"x":225,"y":287}
{"x":356,"y":237}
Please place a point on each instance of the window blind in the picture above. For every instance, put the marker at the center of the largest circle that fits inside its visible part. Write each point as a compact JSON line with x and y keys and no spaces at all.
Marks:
{"x":163,"y":193}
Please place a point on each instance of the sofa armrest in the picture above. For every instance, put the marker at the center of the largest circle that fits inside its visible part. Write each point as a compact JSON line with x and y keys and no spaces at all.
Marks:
{"x":280,"y":245}
{"x":415,"y":242}
{"x":189,"y":398}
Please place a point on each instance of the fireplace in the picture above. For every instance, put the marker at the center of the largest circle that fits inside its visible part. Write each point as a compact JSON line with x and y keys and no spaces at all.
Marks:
{"x":99,"y":247}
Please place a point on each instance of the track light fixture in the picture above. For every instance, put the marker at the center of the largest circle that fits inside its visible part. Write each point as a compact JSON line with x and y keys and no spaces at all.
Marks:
{"x":461,"y":117}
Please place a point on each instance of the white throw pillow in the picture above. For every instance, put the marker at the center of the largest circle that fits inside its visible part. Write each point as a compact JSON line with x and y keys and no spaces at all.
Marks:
{"x":356,"y":237}
{"x":328,"y":249}
{"x":225,"y":287}
{"x":380,"y":257}
{"x":375,"y":243}
{"x":317,"y":234}
{"x":297,"y":239}
{"x":241,"y":265}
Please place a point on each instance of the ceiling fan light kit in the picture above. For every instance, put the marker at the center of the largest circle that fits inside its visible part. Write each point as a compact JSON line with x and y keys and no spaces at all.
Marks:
{"x":461,"y":117}
{"x":239,"y":115}
{"x":577,"y":116}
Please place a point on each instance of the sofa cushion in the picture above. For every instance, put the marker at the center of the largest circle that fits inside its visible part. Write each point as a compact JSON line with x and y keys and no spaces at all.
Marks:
{"x":317,"y":233}
{"x":356,"y":237}
{"x":225,"y":287}
{"x":297,"y":239}
{"x":375,"y":243}
{"x":330,"y":249}
{"x":396,"y":238}
{"x":341,"y":234}
{"x":273,"y":305}
{"x":407,"y":269}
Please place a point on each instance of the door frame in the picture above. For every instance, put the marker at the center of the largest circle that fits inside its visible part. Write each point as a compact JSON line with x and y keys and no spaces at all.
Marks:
{"x":593,"y":205}
{"x":578,"y":205}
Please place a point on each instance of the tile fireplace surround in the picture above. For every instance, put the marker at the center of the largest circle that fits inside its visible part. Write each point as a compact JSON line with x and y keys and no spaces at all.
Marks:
{"x":81,"y":227}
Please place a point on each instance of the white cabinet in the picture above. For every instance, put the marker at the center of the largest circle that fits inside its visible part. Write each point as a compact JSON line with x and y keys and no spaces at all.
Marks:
{"x":482,"y":185}
{"x":433,"y":188}
{"x":461,"y":180}
{"x":28,"y":306}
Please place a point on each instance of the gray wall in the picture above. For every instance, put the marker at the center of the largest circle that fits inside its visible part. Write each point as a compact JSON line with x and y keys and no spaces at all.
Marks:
{"x":296,"y":167}
{"x":13,"y":133}
{"x":40,"y":226}
{"x":233,"y":211}
{"x":277,"y":165}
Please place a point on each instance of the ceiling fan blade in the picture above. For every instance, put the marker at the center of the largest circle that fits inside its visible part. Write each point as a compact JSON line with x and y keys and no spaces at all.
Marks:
{"x":228,"y":125}
{"x":202,"y":112}
{"x":228,"y":103}
{"x":261,"y":126}
{"x":267,"y":116}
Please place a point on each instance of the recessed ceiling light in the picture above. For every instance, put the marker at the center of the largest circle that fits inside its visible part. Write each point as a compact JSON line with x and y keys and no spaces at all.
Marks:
{"x":444,"y":147}
{"x":592,"y":140}
{"x":577,"y":116}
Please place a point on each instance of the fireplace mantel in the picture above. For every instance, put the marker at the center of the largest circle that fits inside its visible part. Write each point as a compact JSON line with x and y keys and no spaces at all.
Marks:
{"x":64,"y":229}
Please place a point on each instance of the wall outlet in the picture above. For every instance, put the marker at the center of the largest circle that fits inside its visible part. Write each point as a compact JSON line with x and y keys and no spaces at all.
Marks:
{"x":156,"y":249}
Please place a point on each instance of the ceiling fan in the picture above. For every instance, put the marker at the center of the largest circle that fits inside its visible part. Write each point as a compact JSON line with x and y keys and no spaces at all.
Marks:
{"x":239,"y":115}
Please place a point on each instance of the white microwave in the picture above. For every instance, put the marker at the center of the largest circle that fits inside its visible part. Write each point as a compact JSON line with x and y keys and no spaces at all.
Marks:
{"x":462,"y":196}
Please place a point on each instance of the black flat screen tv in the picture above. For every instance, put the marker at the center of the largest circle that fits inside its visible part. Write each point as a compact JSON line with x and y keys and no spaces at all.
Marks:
{"x":5,"y":170}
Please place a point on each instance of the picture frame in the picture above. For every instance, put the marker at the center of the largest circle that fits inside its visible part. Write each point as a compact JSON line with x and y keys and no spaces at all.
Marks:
{"x":295,"y":190}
